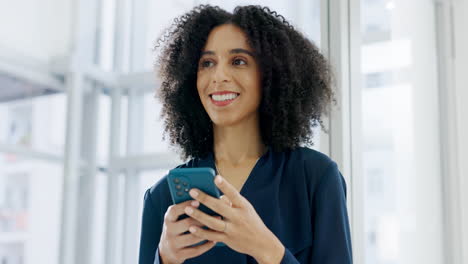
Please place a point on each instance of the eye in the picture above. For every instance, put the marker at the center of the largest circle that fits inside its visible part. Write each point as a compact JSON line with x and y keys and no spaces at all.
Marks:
{"x":237,"y":61}
{"x":205,"y":63}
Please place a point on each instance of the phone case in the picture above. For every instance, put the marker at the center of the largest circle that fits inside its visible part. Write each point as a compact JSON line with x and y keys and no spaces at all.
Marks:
{"x":180,"y":182}
{"x":183,"y":179}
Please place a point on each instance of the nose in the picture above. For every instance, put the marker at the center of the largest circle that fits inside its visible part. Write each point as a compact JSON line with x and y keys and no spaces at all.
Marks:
{"x":221,"y":74}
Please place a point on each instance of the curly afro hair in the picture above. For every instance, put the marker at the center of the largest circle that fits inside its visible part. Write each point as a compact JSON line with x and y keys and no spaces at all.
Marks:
{"x":296,"y":78}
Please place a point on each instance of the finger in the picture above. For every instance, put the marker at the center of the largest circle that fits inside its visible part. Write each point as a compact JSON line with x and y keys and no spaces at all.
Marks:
{"x":225,"y":199}
{"x":181,"y":226}
{"x":191,"y":252}
{"x":208,"y":220}
{"x":207,"y":234}
{"x":174,"y":211}
{"x":214,"y":204}
{"x":230,"y":191}
{"x":187,"y":240}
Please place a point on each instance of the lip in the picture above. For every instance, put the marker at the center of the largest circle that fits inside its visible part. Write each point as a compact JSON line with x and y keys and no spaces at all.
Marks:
{"x":223,"y":103}
{"x":222,"y":92}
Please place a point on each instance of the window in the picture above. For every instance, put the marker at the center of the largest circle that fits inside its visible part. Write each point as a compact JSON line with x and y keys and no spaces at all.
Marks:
{"x":31,"y":177}
{"x":403,"y":213}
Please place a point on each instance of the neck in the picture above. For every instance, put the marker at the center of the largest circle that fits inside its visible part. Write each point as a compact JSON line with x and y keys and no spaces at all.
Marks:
{"x":238,"y":143}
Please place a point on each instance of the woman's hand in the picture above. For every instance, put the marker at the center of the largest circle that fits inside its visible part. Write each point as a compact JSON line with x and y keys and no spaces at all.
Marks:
{"x":242,"y":229}
{"x":173,"y":245}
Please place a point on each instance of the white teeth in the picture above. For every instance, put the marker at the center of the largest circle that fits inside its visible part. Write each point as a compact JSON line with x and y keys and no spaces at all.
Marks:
{"x":224,"y":97}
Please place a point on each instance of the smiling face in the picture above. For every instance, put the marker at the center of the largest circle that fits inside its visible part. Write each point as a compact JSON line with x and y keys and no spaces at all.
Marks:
{"x":228,"y":78}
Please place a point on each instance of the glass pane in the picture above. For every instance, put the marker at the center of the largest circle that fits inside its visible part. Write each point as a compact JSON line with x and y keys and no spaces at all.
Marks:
{"x":103,"y":128}
{"x":37,"y":123}
{"x":29,"y":210}
{"x":153,"y":126}
{"x":99,"y":224}
{"x":30,"y":190}
{"x":401,"y":135}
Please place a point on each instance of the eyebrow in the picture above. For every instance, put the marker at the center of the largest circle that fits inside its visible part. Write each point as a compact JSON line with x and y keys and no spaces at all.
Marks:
{"x":233,"y":51}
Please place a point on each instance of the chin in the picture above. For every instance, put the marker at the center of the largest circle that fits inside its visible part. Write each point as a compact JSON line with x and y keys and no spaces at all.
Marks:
{"x":231,"y":118}
{"x":226,"y":119}
{"x":224,"y":122}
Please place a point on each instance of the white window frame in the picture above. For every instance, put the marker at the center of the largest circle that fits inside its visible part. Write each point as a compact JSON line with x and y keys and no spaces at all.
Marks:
{"x":451,"y":179}
{"x":341,"y":44}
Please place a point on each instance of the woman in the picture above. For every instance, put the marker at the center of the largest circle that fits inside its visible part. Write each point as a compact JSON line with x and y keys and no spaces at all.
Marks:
{"x":241,"y":93}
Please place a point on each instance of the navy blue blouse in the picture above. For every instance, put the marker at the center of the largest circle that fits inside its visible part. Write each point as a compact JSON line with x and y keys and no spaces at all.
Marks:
{"x":300,"y":196}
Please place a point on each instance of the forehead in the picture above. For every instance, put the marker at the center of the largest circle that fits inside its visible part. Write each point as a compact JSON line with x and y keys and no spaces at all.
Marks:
{"x":226,"y":37}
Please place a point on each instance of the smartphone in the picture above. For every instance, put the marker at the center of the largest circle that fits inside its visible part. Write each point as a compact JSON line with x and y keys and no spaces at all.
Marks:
{"x":182,"y":180}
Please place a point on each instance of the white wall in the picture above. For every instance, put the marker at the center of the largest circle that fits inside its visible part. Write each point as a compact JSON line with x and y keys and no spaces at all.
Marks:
{"x":461,"y":80}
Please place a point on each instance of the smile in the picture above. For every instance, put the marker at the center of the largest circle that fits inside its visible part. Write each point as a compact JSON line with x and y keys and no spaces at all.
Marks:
{"x":223,"y":99}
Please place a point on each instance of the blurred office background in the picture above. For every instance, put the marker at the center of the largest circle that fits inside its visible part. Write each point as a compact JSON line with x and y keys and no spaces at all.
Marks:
{"x":81,"y":138}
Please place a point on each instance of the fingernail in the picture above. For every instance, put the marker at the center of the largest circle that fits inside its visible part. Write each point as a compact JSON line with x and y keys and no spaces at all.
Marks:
{"x":195,"y":203}
{"x":188,"y":210}
{"x":192,"y":229}
{"x":218,"y":179}
{"x":193,"y":193}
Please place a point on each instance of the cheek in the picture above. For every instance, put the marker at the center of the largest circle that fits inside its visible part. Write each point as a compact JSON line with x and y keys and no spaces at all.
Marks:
{"x":201,"y":84}
{"x":255,"y":87}
{"x":252,"y":79}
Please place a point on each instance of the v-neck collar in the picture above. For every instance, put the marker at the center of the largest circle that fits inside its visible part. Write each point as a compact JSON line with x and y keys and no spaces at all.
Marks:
{"x":209,"y":162}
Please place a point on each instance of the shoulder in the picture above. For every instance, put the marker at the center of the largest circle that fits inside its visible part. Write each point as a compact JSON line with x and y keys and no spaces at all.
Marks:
{"x":327,"y":176}
{"x":314,"y":165}
{"x":315,"y":162}
{"x":310,"y":155}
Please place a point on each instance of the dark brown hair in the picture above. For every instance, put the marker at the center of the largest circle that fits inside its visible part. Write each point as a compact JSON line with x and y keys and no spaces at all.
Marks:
{"x":296,"y":78}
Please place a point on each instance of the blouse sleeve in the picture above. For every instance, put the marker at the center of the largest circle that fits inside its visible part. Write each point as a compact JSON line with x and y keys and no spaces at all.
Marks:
{"x":289,"y":258}
{"x":331,"y":240}
{"x":151,"y":229}
{"x":331,"y":234}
